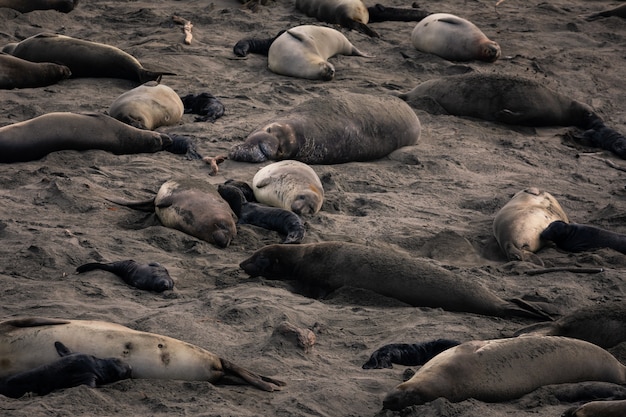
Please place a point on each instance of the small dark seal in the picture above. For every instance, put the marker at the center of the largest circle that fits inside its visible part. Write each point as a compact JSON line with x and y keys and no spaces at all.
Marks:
{"x":205,"y":105}
{"x":408,"y":354}
{"x":151,"y":277}
{"x":573,"y":237}
{"x":260,"y":46}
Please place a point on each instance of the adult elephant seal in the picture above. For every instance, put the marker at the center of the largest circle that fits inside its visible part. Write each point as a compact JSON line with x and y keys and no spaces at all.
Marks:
{"x":19,"y":73}
{"x":351,"y":14}
{"x":84,"y":58}
{"x":303,"y":52}
{"x":505,"y":369}
{"x":35,"y":138}
{"x":328,"y":266}
{"x":615,"y":408}
{"x":148,"y":106}
{"x":291,"y":185}
{"x":151,"y":276}
{"x":64,"y":6}
{"x":517,"y":226}
{"x":573,"y":237}
{"x":355,"y":127}
{"x":453,"y":38}
{"x":29,"y":342}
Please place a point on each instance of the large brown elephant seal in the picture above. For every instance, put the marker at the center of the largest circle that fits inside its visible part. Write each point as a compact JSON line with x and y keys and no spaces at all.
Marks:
{"x":505,"y":369}
{"x":328,"y":266}
{"x":615,"y":408}
{"x":351,"y":14}
{"x":35,"y":138}
{"x":291,"y":185}
{"x":19,"y":73}
{"x":303,"y":52}
{"x":83,"y":58}
{"x":453,"y":38}
{"x":29,"y":342}
{"x":333,"y":129}
{"x":25,"y":6}
{"x":148,"y":106}
{"x":517,"y":226}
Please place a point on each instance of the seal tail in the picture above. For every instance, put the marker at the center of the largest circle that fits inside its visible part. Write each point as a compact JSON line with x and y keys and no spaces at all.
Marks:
{"x":537,"y":329}
{"x":258,"y":381}
{"x":525,"y":309}
{"x":143,"y":205}
{"x":92,"y":266}
{"x":145,"y":75}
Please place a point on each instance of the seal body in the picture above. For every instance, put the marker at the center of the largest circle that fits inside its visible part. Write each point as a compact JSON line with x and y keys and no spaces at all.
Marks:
{"x":505,"y":369}
{"x":351,"y":14}
{"x":453,"y":38}
{"x":615,"y":408}
{"x":64,"y":6}
{"x":334,"y":129}
{"x":19,"y":73}
{"x":409,"y":354}
{"x":291,"y":185}
{"x":517,"y":226}
{"x":303,"y":52}
{"x":573,"y":237}
{"x":148,"y":106}
{"x":151,"y":276}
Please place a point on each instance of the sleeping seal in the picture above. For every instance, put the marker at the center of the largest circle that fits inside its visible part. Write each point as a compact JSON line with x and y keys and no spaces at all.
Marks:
{"x":151,"y":276}
{"x":351,"y":14}
{"x":573,"y":237}
{"x":19,"y":73}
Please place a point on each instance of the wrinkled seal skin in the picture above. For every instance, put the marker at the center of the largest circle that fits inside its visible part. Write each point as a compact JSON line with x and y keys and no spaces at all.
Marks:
{"x":505,"y":369}
{"x":415,"y":281}
{"x":19,"y":73}
{"x":71,"y":370}
{"x":573,"y":237}
{"x":25,"y":6}
{"x":615,"y":408}
{"x":35,"y":138}
{"x":333,"y":129}
{"x":84,"y":58}
{"x":151,"y":276}
{"x":351,"y":14}
{"x":408,"y":354}
{"x":28,"y":343}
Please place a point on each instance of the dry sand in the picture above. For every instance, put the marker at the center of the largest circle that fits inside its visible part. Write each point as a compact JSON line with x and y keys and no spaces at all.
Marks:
{"x":426,"y":200}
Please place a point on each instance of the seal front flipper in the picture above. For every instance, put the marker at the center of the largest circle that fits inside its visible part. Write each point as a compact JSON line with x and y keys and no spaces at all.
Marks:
{"x":259,"y":381}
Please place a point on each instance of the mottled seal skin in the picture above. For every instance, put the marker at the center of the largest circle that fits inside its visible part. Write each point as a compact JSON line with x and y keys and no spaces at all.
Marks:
{"x":333,"y":129}
{"x":351,"y":14}
{"x":615,"y":408}
{"x":619,"y":11}
{"x":574,"y":237}
{"x":517,"y":226}
{"x":71,"y":370}
{"x":28,"y":342}
{"x":453,"y":38}
{"x":35,"y":138}
{"x":148,"y":106}
{"x":25,"y":6}
{"x":291,"y":185}
{"x":505,"y":369}
{"x":84,"y":58}
{"x":151,"y":276}
{"x":408,"y":354}
{"x":328,"y":266}
{"x":19,"y":73}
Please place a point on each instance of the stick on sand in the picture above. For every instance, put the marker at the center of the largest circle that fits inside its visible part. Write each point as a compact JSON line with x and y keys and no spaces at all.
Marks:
{"x":186,"y":28}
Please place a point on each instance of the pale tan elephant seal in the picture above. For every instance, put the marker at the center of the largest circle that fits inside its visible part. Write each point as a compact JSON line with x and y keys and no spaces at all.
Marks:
{"x":148,"y":106}
{"x":615,"y":408}
{"x":517,"y":226}
{"x":19,"y":73}
{"x":291,"y":185}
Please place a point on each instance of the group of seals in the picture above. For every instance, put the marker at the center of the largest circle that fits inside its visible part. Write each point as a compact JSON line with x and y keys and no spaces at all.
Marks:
{"x":573,"y":237}
{"x":151,"y":276}
{"x":409,"y":354}
{"x":19,"y":73}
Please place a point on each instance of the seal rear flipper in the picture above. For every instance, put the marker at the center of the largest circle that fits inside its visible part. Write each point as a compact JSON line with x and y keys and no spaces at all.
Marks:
{"x":145,"y":75}
{"x":141,"y":205}
{"x":380,"y":13}
{"x":62,"y":350}
{"x":261,"y":382}
{"x":527,"y":309}
{"x":543,"y":329}
{"x":358,"y":26}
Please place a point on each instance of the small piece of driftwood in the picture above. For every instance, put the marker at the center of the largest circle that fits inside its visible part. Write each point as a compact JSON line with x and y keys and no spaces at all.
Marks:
{"x":565,"y":269}
{"x":305,"y":338}
{"x":186,"y":28}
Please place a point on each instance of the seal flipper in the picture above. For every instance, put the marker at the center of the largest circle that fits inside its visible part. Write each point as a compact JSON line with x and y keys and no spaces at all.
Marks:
{"x":62,"y":350}
{"x":527,"y":309}
{"x":142,"y":205}
{"x":233,"y":196}
{"x":358,"y":26}
{"x":259,"y":381}
{"x":144,"y":75}
{"x":183,"y":145}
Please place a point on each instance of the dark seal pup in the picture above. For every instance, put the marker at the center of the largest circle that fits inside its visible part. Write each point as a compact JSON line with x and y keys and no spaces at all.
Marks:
{"x":331,"y":265}
{"x":205,"y":105}
{"x":26,"y":6}
{"x":574,"y":237}
{"x":19,"y":73}
{"x":408,"y":354}
{"x":333,"y":129}
{"x":151,"y":276}
{"x":71,"y":370}
{"x":351,"y":14}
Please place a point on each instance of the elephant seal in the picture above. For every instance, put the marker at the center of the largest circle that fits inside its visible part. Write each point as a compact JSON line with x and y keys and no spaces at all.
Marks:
{"x":505,"y":369}
{"x":408,"y":354}
{"x":303,"y":52}
{"x":351,"y":14}
{"x":573,"y":237}
{"x":328,"y":266}
{"x":27,"y":343}
{"x":19,"y":73}
{"x":615,"y":408}
{"x":83,"y":58}
{"x":291,"y":185}
{"x":35,"y":138}
{"x":151,"y":276}
{"x":71,"y":370}
{"x":64,"y":6}
{"x":148,"y":106}
{"x":356,"y":127}
{"x":619,"y":11}
{"x":205,"y":105}
{"x":511,"y":100}
{"x":517,"y":226}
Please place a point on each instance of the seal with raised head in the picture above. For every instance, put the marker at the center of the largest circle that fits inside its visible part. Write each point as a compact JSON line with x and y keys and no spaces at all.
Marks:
{"x":351,"y":14}
{"x":505,"y":369}
{"x":148,"y":106}
{"x":63,"y":6}
{"x":453,"y":38}
{"x":574,"y":237}
{"x":327,"y":266}
{"x":27,"y":343}
{"x":408,"y":354}
{"x":303,"y":52}
{"x":614,"y":408}
{"x":19,"y":73}
{"x":292,"y":185}
{"x":517,"y":226}
{"x":151,"y":276}
{"x":355,"y":127}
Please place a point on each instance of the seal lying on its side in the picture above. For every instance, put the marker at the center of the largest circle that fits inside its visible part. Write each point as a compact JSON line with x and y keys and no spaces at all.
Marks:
{"x":615,"y":408}
{"x":19,"y":73}
{"x":573,"y":237}
{"x":26,"y":6}
{"x":351,"y":14}
{"x":408,"y":354}
{"x":28,"y":343}
{"x":152,"y":276}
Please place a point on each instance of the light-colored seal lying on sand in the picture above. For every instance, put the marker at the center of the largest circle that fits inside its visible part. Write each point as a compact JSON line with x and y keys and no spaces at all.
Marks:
{"x":19,"y":73}
{"x":25,"y":6}
{"x":505,"y":369}
{"x":328,"y":266}
{"x":35,"y":138}
{"x":291,"y":185}
{"x":28,"y":343}
{"x":148,"y":106}
{"x":351,"y":14}
{"x":574,"y":237}
{"x":453,"y":38}
{"x":615,"y":408}
{"x":83,"y":58}
{"x":517,"y":226}
{"x":333,"y":129}
{"x":151,"y":276}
